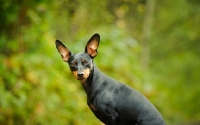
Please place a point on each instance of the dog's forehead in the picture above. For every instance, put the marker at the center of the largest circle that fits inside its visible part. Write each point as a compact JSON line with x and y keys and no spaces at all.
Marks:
{"x":79,"y":56}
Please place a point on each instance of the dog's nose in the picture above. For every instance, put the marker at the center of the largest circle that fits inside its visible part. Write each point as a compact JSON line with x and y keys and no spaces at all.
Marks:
{"x":80,"y":74}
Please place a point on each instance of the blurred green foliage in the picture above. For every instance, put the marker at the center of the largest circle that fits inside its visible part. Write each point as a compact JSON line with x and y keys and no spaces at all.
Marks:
{"x":36,"y":87}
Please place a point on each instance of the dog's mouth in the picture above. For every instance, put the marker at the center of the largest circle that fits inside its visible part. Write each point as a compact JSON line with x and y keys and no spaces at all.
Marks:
{"x":81,"y":78}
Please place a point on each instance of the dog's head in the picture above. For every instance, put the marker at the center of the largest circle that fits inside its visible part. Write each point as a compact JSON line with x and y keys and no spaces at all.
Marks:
{"x":81,"y":64}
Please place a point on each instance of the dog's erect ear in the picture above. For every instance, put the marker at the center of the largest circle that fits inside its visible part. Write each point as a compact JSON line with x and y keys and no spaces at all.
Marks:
{"x":92,"y":45}
{"x":63,"y":50}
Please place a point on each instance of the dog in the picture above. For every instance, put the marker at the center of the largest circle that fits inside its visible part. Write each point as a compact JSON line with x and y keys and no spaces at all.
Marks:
{"x":112,"y":102}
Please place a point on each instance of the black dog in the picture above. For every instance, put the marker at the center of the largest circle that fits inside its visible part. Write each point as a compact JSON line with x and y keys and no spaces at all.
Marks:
{"x":112,"y":102}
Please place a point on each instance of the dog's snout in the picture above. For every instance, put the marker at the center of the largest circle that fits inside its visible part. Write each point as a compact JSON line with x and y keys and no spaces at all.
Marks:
{"x":80,"y":74}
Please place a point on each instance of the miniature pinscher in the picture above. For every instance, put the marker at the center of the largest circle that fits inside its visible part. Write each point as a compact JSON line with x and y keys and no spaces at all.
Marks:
{"x":112,"y":102}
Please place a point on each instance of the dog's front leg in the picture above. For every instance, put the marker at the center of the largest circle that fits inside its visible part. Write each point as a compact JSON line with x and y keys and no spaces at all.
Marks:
{"x":113,"y":116}
{"x":112,"y":121}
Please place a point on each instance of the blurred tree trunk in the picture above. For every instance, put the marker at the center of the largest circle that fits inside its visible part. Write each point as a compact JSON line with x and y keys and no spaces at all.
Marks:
{"x":147,"y":26}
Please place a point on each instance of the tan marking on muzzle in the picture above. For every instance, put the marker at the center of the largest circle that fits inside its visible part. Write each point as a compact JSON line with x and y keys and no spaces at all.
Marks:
{"x":75,"y":73}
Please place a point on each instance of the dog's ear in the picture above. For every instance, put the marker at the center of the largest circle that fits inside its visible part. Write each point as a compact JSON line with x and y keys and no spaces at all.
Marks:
{"x":63,"y":50}
{"x":92,"y":45}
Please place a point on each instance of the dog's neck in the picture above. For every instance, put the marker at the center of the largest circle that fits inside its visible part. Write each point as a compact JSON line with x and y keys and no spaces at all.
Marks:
{"x":95,"y":78}
{"x":86,"y":84}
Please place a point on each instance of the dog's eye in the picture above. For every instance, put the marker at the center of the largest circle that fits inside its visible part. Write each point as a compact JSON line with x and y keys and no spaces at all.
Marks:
{"x":84,"y":62}
{"x":73,"y":63}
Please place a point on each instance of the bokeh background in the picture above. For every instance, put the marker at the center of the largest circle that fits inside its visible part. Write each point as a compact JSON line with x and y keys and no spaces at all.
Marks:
{"x":151,"y":45}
